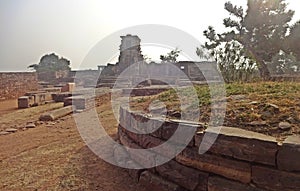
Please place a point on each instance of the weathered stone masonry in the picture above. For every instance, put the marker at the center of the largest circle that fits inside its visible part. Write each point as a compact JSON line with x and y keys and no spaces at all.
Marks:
{"x":15,"y":84}
{"x":238,"y":160}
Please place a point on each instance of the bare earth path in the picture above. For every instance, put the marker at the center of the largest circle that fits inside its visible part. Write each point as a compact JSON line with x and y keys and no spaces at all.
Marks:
{"x":8,"y":105}
{"x":52,"y":156}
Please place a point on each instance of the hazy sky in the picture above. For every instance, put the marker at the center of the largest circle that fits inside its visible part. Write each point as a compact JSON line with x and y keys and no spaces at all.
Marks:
{"x":70,"y":28}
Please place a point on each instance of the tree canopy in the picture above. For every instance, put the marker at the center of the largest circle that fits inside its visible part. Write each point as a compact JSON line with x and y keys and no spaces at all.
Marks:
{"x":262,"y":30}
{"x":51,"y":62}
{"x":292,"y":42}
{"x":171,"y":56}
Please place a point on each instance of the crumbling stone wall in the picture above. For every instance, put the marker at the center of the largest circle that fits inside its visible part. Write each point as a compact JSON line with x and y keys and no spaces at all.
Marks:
{"x":16,"y":84}
{"x":238,"y":159}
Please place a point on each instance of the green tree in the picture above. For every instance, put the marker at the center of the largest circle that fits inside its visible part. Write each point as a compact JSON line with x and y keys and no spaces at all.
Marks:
{"x":171,"y":56}
{"x":231,"y":61}
{"x":261,"y":30}
{"x":283,"y":63}
{"x":51,"y":63}
{"x":292,"y":43}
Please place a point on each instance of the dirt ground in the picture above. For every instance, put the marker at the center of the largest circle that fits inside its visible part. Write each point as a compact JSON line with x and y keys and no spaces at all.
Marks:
{"x":53,"y":156}
{"x":8,"y":105}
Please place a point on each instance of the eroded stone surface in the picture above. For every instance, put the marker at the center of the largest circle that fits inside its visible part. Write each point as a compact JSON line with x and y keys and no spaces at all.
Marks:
{"x":240,"y":144}
{"x":184,"y":176}
{"x":221,"y":184}
{"x":153,"y":182}
{"x":288,"y":157}
{"x":275,"y":180}
{"x":235,"y":170}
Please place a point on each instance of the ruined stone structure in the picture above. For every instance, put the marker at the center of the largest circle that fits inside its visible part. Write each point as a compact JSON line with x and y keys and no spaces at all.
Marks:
{"x":15,"y":84}
{"x":131,"y":55}
{"x":85,"y":77}
{"x":238,"y":160}
{"x":130,"y":52}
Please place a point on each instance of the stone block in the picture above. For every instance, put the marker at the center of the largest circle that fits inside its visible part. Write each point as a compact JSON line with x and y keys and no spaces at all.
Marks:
{"x":186,"y":177}
{"x":143,"y":91}
{"x":124,"y":117}
{"x":288,"y":157}
{"x":159,"y":146}
{"x":60,"y":97}
{"x":241,"y":144}
{"x":275,"y":180}
{"x":221,"y":184}
{"x":232,"y":169}
{"x":142,"y":157}
{"x":168,"y":129}
{"x":80,"y":102}
{"x":154,"y":182}
{"x":55,"y":114}
{"x":24,"y":102}
{"x":69,"y":87}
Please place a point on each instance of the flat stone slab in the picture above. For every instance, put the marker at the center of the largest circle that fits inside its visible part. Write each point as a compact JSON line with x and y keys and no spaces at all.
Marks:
{"x":30,"y":125}
{"x":11,"y":130}
{"x":288,"y":157}
{"x":55,"y":114}
{"x":4,"y":133}
{"x":143,"y":91}
{"x":231,"y":131}
{"x":235,"y":170}
{"x":239,"y":144}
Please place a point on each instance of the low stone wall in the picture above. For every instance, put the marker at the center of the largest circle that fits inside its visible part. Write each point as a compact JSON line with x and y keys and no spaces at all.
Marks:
{"x":16,"y":84}
{"x":238,"y":160}
{"x":144,"y":91}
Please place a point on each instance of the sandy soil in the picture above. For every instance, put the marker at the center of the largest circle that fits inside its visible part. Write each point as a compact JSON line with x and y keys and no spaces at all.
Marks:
{"x":53,"y":156}
{"x":8,"y":105}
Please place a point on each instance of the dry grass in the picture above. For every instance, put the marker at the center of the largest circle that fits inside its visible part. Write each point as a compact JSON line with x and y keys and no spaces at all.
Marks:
{"x":245,"y":103}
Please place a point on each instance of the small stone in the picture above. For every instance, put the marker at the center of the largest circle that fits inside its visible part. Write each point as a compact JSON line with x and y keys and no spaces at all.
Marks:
{"x":284,"y":126}
{"x":11,"y":130}
{"x":291,"y":120}
{"x":175,"y":114}
{"x":30,"y":125}
{"x":50,"y":124}
{"x":238,"y":97}
{"x":254,"y":103}
{"x":272,"y":108}
{"x":39,"y":122}
{"x":266,"y":115}
{"x":4,"y":133}
{"x":258,"y":123}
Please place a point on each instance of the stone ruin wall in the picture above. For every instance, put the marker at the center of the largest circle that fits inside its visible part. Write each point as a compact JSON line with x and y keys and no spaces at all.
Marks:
{"x":238,"y":160}
{"x":16,"y":84}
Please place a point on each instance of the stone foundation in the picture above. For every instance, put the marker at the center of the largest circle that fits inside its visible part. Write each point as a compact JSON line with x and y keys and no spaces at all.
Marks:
{"x":238,"y":159}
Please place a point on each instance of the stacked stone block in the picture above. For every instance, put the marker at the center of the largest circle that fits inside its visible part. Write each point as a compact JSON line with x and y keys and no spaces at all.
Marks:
{"x":238,"y":159}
